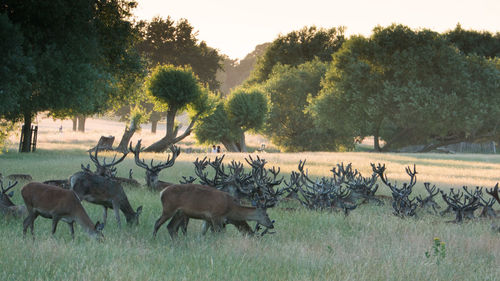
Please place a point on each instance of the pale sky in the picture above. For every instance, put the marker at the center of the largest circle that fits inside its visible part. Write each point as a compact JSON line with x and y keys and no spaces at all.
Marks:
{"x":235,"y":27}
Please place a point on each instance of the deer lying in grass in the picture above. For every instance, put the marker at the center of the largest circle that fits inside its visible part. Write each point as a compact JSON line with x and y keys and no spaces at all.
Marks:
{"x":205,"y":203}
{"x":7,"y":207}
{"x":57,"y":204}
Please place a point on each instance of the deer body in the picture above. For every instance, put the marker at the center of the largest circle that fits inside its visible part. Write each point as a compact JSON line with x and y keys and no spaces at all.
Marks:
{"x":57,"y":204}
{"x":104,"y":191}
{"x":205,"y":203}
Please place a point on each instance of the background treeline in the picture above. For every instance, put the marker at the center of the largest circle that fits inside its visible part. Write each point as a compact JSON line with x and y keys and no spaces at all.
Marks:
{"x":312,"y":89}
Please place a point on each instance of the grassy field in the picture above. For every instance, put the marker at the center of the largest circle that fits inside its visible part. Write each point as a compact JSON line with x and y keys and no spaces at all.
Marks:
{"x":369,"y":244}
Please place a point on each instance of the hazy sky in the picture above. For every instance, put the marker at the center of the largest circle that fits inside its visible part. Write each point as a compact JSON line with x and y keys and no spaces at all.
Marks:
{"x":235,"y":27}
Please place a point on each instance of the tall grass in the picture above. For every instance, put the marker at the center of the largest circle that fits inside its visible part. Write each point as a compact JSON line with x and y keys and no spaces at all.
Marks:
{"x":369,"y":244}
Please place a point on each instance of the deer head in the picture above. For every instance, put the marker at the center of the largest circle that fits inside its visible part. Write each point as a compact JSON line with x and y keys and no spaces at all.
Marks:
{"x":153,"y":170}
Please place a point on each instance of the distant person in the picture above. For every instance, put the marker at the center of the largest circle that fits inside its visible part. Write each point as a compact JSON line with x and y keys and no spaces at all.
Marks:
{"x":218,"y":149}
{"x":60,"y":129}
{"x":214,"y":149}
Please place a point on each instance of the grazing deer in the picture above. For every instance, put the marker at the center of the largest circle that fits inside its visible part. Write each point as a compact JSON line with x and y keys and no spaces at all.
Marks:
{"x":106,"y":192}
{"x":152,"y":171}
{"x":57,"y":204}
{"x":206,"y":203}
{"x":6,"y":205}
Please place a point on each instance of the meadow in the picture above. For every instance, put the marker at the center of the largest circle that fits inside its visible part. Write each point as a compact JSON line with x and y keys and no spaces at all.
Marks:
{"x":369,"y":244}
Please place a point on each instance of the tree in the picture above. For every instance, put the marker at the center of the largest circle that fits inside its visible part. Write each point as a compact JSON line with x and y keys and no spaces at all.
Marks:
{"x":481,"y":43}
{"x":244,"y":110}
{"x":408,"y":87}
{"x":298,"y":47}
{"x":289,"y":126}
{"x":69,"y":78}
{"x":176,"y":88}
{"x":167,"y":42}
{"x":235,"y":72}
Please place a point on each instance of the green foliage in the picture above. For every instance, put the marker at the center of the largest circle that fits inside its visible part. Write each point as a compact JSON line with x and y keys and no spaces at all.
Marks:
{"x":217,"y":127}
{"x":408,"y":87}
{"x":80,"y":51}
{"x":15,"y":68}
{"x":175,"y":87}
{"x":481,"y":43}
{"x":289,"y":126}
{"x":437,"y":252}
{"x":298,"y":47}
{"x":167,"y":42}
{"x":247,"y":108}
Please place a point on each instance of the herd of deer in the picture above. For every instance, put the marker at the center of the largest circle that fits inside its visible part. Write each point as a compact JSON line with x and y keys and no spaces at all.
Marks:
{"x":218,"y":199}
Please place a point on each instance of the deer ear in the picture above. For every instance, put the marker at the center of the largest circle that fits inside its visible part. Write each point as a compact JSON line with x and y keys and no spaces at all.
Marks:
{"x":139,"y":210}
{"x":99,"y":226}
{"x":11,"y":194}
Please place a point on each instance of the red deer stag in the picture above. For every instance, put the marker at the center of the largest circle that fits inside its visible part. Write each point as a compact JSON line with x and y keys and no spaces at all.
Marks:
{"x":104,"y":191}
{"x":57,"y":204}
{"x":205,"y":203}
{"x":152,"y":171}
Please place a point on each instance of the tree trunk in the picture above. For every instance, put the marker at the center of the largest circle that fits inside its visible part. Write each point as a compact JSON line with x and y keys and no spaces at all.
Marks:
{"x":81,"y":123}
{"x":26,"y":144}
{"x":154,"y":123}
{"x":127,"y":135}
{"x":243,"y":147}
{"x":75,"y":123}
{"x":171,"y":139}
{"x":376,"y":142}
{"x":230,"y":146}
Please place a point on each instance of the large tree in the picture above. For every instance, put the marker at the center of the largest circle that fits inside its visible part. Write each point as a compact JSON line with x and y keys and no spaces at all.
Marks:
{"x":76,"y":62}
{"x":289,"y":126}
{"x":244,"y":110}
{"x":298,"y":47}
{"x":176,"y":89}
{"x":481,"y":43}
{"x":165,"y":41}
{"x":408,"y":87}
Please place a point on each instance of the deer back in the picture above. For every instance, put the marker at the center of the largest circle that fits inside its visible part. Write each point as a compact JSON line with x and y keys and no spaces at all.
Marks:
{"x":103,"y":191}
{"x":51,"y":201}
{"x":205,"y":202}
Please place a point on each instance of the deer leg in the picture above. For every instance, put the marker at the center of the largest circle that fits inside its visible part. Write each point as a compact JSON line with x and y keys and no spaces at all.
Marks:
{"x":179,"y":220}
{"x":217,"y":224}
{"x":105,"y":215}
{"x":116,"y":208}
{"x":163,"y":218}
{"x":72,"y":229}
{"x":55,"y":221}
{"x":27,"y":222}
{"x":206,"y":225}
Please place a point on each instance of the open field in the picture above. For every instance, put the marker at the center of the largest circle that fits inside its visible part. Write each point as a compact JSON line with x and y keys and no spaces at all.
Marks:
{"x":369,"y":244}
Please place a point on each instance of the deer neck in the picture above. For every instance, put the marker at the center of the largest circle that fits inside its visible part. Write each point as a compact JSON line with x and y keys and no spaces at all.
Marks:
{"x":84,"y":221}
{"x":241,"y":213}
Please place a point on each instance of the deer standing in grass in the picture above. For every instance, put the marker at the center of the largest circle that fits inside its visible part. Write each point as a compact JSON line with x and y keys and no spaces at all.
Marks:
{"x":57,"y":204}
{"x":100,"y":188}
{"x":205,"y":203}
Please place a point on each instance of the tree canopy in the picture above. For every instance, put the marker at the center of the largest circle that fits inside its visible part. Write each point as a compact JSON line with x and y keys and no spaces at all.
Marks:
{"x":408,"y":87}
{"x":77,"y":49}
{"x":176,"y":88}
{"x":298,"y":47}
{"x":244,"y":110}
{"x":165,"y":41}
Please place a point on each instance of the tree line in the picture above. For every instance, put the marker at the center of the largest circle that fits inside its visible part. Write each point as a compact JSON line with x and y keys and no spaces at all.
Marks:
{"x":310,"y":90}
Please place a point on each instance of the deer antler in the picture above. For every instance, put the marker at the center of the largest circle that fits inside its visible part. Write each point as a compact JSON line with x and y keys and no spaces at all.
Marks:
{"x":106,"y":169}
{"x":494,"y":192}
{"x":10,"y":185}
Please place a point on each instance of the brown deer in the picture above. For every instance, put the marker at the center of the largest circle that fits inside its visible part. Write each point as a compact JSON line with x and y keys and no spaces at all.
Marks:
{"x":152,"y":171}
{"x":205,"y":203}
{"x":57,"y":204}
{"x":494,"y":192}
{"x":106,"y":192}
